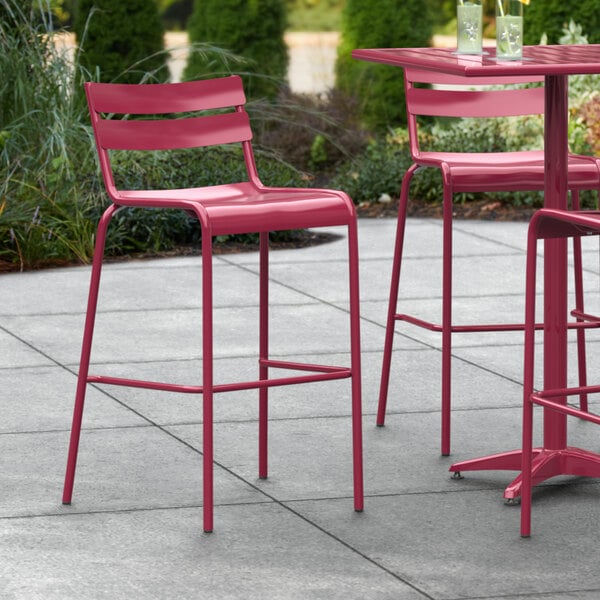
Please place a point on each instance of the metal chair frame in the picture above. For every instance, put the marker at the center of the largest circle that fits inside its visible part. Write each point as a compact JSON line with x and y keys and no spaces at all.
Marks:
{"x":237,"y":208}
{"x":552,"y":224}
{"x":471,"y":172}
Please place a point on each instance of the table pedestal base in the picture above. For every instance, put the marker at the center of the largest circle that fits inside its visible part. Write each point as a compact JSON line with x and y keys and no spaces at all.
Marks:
{"x":545,"y":464}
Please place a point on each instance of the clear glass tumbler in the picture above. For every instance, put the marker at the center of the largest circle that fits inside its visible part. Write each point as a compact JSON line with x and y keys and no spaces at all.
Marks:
{"x":509,"y":29}
{"x":469,"y":26}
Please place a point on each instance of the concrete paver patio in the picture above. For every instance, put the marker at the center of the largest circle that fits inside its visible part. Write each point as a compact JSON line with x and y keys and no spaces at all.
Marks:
{"x":134,"y":530}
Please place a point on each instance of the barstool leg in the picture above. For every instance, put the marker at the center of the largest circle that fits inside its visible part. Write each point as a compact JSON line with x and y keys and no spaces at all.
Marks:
{"x":393,"y":297}
{"x":263,"y":400}
{"x":354,"y":301}
{"x":528,"y":373}
{"x":579,"y":306}
{"x":446,"y":320}
{"x":207,"y":381}
{"x":84,"y":363}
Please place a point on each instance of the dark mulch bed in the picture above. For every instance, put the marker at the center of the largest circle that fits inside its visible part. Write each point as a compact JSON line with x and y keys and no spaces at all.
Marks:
{"x":482,"y":209}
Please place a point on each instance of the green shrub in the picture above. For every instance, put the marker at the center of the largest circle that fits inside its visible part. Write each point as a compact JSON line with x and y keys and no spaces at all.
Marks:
{"x":123,"y":41}
{"x":379,"y":24}
{"x":376,"y":171}
{"x":139,"y":230}
{"x":482,"y":135}
{"x":380,"y":170}
{"x":551,"y":16}
{"x":253,"y":30}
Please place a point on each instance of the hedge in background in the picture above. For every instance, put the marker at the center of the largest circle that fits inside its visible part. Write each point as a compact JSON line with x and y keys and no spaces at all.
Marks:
{"x":379,"y":24}
{"x":253,"y":30}
{"x":551,"y":16}
{"x":123,"y":40}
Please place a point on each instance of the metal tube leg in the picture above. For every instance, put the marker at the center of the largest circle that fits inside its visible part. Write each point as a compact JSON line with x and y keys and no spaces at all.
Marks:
{"x":356,"y":366}
{"x":526,"y":457}
{"x":393,"y":298}
{"x":528,"y":377}
{"x":579,"y":306}
{"x":446,"y":320}
{"x":263,"y":400}
{"x":86,"y":349}
{"x":207,"y":380}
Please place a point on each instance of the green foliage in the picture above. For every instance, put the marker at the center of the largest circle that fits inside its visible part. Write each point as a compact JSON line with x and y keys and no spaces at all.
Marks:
{"x":442,"y":12}
{"x":62,"y":11}
{"x":51,"y":194}
{"x":584,"y":118}
{"x":573,"y":34}
{"x":175,"y":13}
{"x":380,"y":170}
{"x":46,"y":151}
{"x":379,"y":24}
{"x":311,"y":133}
{"x":122,"y":41}
{"x":315,"y":15}
{"x":481,"y":135}
{"x":253,"y":30}
{"x":376,"y":171}
{"x":136,"y":230}
{"x":584,"y":115}
{"x":551,"y":16}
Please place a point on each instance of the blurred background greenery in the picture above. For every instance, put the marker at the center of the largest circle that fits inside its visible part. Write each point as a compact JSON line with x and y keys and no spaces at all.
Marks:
{"x":303,"y":15}
{"x":351,"y":136}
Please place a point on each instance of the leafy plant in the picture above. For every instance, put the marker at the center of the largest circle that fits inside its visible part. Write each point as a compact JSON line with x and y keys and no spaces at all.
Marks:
{"x":137,"y":230}
{"x":51,"y":194}
{"x":376,"y":171}
{"x":380,"y":170}
{"x":46,"y":150}
{"x":573,"y":34}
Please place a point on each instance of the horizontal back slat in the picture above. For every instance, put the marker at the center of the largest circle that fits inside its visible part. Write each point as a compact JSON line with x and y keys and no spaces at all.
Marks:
{"x":493,"y":103}
{"x":173,"y":133}
{"x":419,"y":76}
{"x":162,"y":98}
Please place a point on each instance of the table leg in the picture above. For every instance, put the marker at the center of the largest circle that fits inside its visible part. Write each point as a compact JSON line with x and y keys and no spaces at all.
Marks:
{"x":555,"y":457}
{"x":556,"y":144}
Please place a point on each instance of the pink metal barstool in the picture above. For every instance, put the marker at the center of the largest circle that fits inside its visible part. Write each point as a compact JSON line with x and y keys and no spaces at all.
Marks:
{"x":470,"y":172}
{"x":541,"y":463}
{"x":209,"y":113}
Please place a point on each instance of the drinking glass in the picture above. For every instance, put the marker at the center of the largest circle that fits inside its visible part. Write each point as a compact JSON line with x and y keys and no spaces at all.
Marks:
{"x":468,"y":26}
{"x":509,"y":29}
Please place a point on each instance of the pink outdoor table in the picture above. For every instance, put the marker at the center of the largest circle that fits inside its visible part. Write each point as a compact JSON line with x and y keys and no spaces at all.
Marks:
{"x":555,"y":63}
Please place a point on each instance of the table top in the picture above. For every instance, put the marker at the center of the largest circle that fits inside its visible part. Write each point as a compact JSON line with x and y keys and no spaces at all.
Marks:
{"x":575,"y":59}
